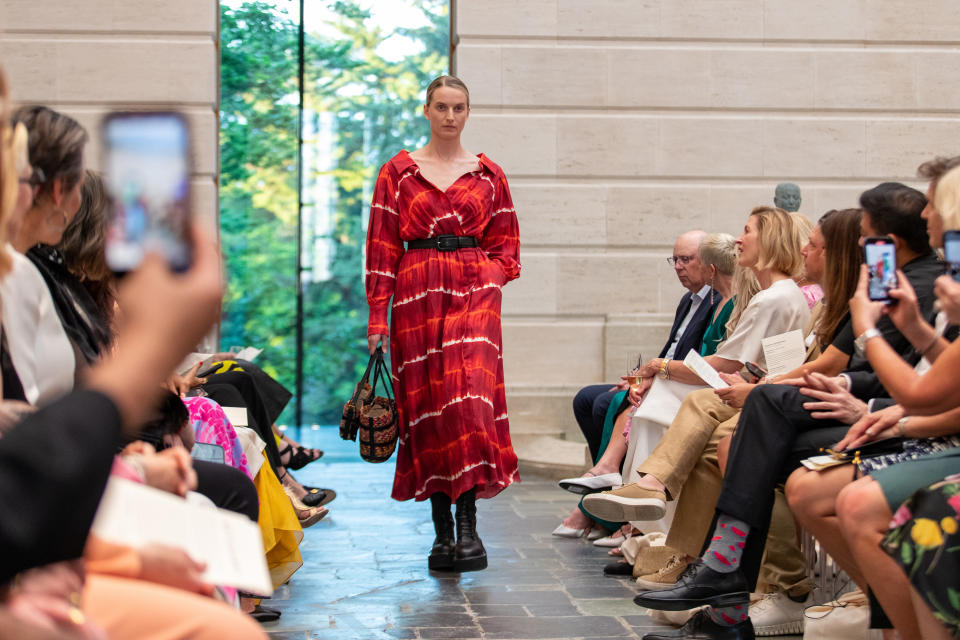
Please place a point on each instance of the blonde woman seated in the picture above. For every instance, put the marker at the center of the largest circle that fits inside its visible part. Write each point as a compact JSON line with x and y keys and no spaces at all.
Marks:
{"x":770,"y":246}
{"x":717,"y":254}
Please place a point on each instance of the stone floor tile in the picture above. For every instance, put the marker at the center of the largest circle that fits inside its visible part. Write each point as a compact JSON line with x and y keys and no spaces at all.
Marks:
{"x":365,"y":567}
{"x":552,"y":627}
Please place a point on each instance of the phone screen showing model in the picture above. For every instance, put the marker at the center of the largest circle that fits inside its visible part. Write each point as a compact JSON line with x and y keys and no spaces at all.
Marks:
{"x":881,"y":258}
{"x":951,"y":251}
{"x":147,"y":174}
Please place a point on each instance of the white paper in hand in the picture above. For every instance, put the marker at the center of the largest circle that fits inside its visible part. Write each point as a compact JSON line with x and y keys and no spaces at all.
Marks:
{"x":784,"y":352}
{"x":135,"y":515}
{"x":702,"y":368}
{"x":248,"y":354}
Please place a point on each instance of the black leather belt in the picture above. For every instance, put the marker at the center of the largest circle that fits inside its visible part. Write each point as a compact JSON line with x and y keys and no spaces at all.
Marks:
{"x":443,"y":243}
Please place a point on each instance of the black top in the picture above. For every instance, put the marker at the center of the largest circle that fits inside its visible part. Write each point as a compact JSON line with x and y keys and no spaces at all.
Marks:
{"x":12,"y":387}
{"x":53,"y":469}
{"x":79,"y":314}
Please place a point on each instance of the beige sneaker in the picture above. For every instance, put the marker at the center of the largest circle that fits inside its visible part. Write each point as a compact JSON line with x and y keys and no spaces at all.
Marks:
{"x":651,"y":559}
{"x":629,"y":503}
{"x":666,"y":577}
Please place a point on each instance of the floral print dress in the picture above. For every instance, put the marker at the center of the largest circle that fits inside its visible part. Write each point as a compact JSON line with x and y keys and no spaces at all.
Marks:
{"x":924,"y":539}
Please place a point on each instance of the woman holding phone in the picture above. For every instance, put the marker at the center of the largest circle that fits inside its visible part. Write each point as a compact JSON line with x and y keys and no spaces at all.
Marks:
{"x":454,"y":212}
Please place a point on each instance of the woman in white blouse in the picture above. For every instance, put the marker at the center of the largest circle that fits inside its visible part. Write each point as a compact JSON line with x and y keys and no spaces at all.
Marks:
{"x":771,"y":248}
{"x":40,"y":350}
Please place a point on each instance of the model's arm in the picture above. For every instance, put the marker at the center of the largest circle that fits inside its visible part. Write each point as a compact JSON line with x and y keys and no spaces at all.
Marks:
{"x":384,"y":250}
{"x":501,"y":238}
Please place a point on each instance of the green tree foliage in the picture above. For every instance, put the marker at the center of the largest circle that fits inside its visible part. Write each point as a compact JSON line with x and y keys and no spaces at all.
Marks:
{"x":375,"y":105}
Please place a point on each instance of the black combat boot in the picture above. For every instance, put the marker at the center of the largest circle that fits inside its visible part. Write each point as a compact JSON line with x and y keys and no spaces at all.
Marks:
{"x":441,"y":555}
{"x":470,"y":554}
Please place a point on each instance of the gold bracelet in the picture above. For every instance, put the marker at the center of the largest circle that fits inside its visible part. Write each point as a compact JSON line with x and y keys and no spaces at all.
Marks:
{"x":665,"y":369}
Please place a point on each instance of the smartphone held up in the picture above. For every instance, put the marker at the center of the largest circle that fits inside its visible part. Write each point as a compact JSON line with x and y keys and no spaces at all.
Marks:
{"x":146,"y":165}
{"x":880,"y":256}
{"x":951,"y":253}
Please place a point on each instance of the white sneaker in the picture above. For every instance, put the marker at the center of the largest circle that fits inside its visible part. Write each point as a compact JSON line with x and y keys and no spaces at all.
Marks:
{"x":775,"y":614}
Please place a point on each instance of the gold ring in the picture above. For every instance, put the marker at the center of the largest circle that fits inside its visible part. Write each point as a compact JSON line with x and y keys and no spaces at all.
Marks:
{"x":76,"y":616}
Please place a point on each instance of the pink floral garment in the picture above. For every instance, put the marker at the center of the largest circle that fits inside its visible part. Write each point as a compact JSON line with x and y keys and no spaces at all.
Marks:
{"x":211,"y":426}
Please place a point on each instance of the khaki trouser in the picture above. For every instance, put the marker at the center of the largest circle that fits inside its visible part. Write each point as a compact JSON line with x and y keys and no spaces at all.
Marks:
{"x":686,"y":458}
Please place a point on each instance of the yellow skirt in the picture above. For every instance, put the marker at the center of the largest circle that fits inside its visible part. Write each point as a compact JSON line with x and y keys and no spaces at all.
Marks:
{"x":279,"y":526}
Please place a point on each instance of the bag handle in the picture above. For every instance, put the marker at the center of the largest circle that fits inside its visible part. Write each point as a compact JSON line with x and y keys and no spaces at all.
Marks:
{"x":366,"y":377}
{"x":381,"y":372}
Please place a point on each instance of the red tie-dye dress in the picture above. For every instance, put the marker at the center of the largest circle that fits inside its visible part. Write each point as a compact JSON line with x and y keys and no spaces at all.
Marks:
{"x":445,"y":338}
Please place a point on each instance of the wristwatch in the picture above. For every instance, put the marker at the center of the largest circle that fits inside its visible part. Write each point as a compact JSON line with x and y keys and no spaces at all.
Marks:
{"x":860,"y":344}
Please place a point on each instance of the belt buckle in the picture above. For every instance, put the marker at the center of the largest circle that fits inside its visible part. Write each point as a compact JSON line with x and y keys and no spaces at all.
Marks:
{"x":448,"y":243}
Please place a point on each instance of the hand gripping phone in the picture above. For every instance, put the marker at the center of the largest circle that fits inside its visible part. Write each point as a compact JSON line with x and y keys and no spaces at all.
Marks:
{"x":880,"y":255}
{"x":146,"y":165}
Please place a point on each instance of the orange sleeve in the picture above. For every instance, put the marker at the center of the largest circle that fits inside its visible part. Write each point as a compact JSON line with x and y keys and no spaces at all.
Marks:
{"x":108,"y":558}
{"x":501,"y":238}
{"x":384,"y":250}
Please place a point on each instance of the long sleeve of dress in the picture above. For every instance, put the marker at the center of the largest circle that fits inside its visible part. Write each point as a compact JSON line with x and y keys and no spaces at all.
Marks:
{"x":384,"y":250}
{"x":53,"y":470}
{"x":501,"y":239}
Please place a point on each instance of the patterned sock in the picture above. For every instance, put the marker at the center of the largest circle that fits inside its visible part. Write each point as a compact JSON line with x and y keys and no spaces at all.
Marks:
{"x":726,"y":546}
{"x":728,"y":616}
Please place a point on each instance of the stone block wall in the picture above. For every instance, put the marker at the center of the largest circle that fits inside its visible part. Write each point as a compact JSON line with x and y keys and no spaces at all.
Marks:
{"x":88,"y":57}
{"x":622,"y":123}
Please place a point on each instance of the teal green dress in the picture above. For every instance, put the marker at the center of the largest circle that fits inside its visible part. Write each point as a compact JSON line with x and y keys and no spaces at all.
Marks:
{"x":717,"y":331}
{"x":715,"y":334}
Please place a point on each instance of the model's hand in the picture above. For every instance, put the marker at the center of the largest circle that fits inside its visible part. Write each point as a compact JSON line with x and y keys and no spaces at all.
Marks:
{"x":833,"y":401}
{"x":870,"y":427}
{"x":375,"y":341}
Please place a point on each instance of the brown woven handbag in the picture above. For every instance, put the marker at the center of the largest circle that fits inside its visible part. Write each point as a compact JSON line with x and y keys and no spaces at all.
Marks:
{"x":379,"y":423}
{"x":362,"y":393}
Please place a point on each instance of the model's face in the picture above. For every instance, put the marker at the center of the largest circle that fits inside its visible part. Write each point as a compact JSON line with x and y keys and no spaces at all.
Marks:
{"x":447,"y":112}
{"x":814,"y":256}
{"x":933,"y":218}
{"x":748,"y":244}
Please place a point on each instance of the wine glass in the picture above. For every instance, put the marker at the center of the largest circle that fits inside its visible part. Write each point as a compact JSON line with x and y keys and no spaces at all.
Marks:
{"x":633,"y":369}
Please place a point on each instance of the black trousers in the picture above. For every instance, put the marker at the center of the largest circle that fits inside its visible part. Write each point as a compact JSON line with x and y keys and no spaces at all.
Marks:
{"x":773,"y":434}
{"x":590,"y":408}
{"x":238,"y":389}
{"x":228,"y":488}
